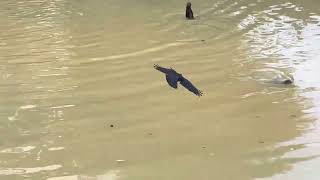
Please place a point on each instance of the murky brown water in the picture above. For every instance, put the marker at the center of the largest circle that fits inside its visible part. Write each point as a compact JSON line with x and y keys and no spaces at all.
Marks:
{"x":72,"y":69}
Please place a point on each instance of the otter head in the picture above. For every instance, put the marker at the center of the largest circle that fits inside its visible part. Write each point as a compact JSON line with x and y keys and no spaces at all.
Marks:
{"x":189,"y":13}
{"x":287,"y":81}
{"x":188,"y":4}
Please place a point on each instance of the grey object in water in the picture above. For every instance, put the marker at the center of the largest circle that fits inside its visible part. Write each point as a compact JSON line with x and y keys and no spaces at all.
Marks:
{"x":284,"y":81}
{"x":273,"y":76}
{"x":173,"y":78}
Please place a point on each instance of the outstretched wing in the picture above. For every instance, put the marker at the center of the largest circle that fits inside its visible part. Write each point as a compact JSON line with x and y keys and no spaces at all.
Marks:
{"x":188,"y":85}
{"x":162,"y":69}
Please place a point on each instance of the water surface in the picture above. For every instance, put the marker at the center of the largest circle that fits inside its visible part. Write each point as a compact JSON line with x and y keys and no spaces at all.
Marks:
{"x":80,"y":98}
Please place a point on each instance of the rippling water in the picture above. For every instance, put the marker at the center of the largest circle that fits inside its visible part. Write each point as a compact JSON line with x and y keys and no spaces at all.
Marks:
{"x":80,"y":98}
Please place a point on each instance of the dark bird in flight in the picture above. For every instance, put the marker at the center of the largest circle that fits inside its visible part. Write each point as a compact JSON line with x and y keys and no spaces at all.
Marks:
{"x":189,"y":13}
{"x":173,"y":78}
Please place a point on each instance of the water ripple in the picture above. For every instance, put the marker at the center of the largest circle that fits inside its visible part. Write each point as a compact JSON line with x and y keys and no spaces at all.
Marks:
{"x":20,"y":171}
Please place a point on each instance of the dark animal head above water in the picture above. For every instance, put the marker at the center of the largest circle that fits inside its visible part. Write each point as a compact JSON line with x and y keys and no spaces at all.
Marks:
{"x":287,"y":81}
{"x":173,"y":78}
{"x":283,"y":81}
{"x":189,"y":4}
{"x":189,"y":12}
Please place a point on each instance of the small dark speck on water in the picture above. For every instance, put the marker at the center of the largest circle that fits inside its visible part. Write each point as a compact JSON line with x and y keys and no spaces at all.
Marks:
{"x":293,"y":115}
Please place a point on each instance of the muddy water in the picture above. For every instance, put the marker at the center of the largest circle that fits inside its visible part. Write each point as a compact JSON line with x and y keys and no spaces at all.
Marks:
{"x":80,"y":98}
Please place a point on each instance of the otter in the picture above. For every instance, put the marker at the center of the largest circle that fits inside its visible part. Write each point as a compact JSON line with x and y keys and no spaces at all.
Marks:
{"x":287,"y":81}
{"x":189,"y":13}
{"x":284,"y":81}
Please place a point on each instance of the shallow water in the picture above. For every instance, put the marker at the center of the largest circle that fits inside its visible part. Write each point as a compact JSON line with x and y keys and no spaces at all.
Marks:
{"x":72,"y":69}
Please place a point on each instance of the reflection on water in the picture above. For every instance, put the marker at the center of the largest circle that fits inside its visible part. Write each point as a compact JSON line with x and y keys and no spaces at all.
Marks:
{"x":17,"y":171}
{"x":286,"y":44}
{"x":79,"y":96}
{"x":18,"y":149}
{"x":110,"y":175}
